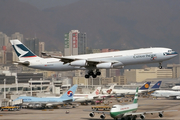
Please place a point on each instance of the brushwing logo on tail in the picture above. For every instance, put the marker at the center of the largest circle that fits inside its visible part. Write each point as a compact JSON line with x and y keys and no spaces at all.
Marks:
{"x":22,"y":51}
{"x":69,"y":93}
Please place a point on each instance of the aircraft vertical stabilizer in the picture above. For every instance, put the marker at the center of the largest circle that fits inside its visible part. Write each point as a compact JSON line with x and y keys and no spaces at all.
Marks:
{"x":97,"y":91}
{"x":145,"y":86}
{"x":157,"y":85}
{"x":70,"y":93}
{"x":136,"y":96}
{"x":22,"y":51}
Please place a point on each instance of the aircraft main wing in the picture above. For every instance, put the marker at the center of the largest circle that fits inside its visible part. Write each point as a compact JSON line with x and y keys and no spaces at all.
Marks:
{"x":67,"y":101}
{"x":149,"y":112}
{"x":26,"y":63}
{"x":88,"y":61}
{"x":75,"y":61}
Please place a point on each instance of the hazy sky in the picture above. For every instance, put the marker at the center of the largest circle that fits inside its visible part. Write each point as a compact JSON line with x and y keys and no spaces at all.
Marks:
{"x":43,"y":4}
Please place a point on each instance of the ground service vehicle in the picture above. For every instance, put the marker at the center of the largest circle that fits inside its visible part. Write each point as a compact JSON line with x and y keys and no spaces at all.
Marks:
{"x":10,"y":108}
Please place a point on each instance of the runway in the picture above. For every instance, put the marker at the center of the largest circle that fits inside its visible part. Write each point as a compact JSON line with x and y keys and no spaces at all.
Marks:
{"x":145,"y":104}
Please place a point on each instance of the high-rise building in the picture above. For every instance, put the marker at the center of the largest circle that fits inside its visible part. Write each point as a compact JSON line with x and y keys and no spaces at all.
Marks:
{"x":75,"y":43}
{"x":82,"y":43}
{"x":4,"y":40}
{"x":41,"y":48}
{"x":18,"y":36}
{"x":32,"y":44}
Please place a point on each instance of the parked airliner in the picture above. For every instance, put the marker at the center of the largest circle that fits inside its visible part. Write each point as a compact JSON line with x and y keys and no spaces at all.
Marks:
{"x":43,"y":102}
{"x":92,"y":62}
{"x":166,"y":94}
{"x":85,"y":98}
{"x":127,"y":112}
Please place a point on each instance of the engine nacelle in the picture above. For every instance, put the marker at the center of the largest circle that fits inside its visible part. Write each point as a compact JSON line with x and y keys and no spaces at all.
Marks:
{"x":37,"y":105}
{"x":142,"y":117}
{"x":49,"y":105}
{"x":102,"y":116}
{"x":30,"y":105}
{"x":79,"y":63}
{"x":160,"y":115}
{"x":118,"y":65}
{"x":104,"y":66}
{"x":177,"y":97}
{"x":91,"y":114}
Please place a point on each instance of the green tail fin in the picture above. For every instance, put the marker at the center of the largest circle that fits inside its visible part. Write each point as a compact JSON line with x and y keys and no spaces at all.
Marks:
{"x":136,"y":96}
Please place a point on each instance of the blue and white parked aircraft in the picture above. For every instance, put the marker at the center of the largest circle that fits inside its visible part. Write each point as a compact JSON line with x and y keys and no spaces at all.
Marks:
{"x":92,"y":62}
{"x":37,"y":102}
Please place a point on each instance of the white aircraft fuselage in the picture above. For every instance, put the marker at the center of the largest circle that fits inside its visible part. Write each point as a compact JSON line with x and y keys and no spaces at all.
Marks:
{"x":121,"y":58}
{"x":166,"y":93}
{"x":92,"y":62}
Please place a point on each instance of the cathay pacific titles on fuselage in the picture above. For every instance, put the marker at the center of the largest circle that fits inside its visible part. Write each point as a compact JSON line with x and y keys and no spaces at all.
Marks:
{"x":92,"y":62}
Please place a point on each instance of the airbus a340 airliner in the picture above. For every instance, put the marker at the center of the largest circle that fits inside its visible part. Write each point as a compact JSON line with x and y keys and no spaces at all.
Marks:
{"x":92,"y":62}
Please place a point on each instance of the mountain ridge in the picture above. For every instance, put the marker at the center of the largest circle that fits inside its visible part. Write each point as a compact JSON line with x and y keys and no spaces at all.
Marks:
{"x":108,"y":24}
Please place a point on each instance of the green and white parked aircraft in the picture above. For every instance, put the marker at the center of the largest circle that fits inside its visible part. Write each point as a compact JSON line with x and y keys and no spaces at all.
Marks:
{"x":127,"y":112}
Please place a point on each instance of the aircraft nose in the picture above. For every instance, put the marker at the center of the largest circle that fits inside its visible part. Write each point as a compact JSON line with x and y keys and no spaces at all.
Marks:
{"x":175,"y":53}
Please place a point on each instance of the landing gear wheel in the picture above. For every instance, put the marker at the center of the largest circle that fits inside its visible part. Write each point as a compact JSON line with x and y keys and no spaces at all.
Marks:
{"x":86,"y":76}
{"x":160,"y":66}
{"x":90,"y":73}
{"x":98,"y":73}
{"x":94,"y":76}
{"x":134,"y":117}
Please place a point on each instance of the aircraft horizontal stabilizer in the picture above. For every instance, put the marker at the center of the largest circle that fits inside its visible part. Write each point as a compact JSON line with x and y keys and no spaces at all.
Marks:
{"x":67,"y":101}
{"x":26,"y":63}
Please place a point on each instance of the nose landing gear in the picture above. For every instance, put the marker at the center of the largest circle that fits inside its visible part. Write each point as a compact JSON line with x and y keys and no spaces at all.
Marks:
{"x":160,"y":65}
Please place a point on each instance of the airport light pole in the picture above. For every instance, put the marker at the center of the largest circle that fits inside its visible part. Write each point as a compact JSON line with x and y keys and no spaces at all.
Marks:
{"x":99,"y":81}
{"x":87,"y":82}
{"x":92,"y":82}
{"x":4,"y":88}
{"x":31,"y":86}
{"x":41,"y":84}
{"x":52,"y":85}
{"x":16,"y":85}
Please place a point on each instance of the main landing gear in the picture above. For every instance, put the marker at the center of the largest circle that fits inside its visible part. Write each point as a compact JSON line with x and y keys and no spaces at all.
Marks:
{"x":160,"y":65}
{"x":91,"y":73}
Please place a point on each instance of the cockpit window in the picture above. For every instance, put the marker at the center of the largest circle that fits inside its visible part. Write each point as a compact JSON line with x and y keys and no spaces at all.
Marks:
{"x":113,"y":106}
{"x":169,"y":51}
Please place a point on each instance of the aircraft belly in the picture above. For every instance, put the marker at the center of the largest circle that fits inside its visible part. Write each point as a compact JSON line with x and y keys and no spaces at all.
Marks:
{"x":54,"y":67}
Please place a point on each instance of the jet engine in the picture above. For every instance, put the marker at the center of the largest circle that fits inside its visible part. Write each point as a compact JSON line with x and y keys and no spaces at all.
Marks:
{"x":160,"y":115}
{"x":102,"y":116}
{"x":30,"y":105}
{"x":91,"y":114}
{"x":49,"y":105}
{"x":37,"y":105}
{"x":142,"y":117}
{"x":79,"y":63}
{"x":177,"y":97}
{"x":104,"y":65}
